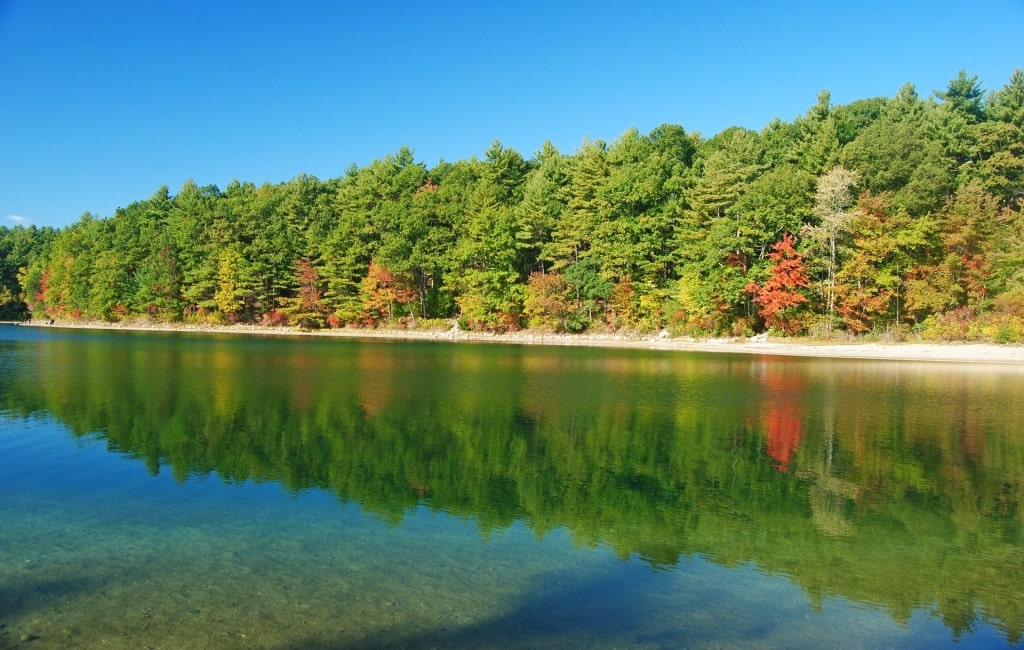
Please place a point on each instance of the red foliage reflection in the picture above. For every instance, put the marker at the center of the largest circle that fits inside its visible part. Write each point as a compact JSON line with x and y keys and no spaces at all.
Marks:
{"x":782,"y":416}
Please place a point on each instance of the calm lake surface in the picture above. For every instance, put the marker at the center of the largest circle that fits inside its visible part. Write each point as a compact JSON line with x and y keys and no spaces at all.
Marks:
{"x":201,"y":491}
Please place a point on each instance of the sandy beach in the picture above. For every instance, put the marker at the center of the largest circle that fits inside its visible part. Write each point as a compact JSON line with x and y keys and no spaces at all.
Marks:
{"x":910,"y":351}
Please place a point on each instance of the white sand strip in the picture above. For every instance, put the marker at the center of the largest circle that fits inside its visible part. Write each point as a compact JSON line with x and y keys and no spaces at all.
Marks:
{"x":945,"y":352}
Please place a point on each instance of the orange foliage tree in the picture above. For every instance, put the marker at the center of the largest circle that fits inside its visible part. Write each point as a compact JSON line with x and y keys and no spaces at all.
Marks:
{"x":307,"y":309}
{"x":546,"y":304}
{"x":381,"y":291}
{"x":780,"y":294}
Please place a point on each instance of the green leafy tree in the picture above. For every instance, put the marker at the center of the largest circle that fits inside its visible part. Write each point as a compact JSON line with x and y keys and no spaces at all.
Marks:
{"x":591,"y":292}
{"x":634,"y":235}
{"x":729,"y":164}
{"x":486,"y":270}
{"x":430,"y":237}
{"x":21,"y":249}
{"x":853,"y":118}
{"x":543,"y":203}
{"x":819,"y":146}
{"x":965,"y":96}
{"x":159,"y":282}
{"x":196,"y":242}
{"x":584,"y":207}
{"x":711,"y":240}
{"x":376,"y":218}
{"x":997,"y":158}
{"x":901,"y":153}
{"x":110,"y":289}
{"x":68,"y":278}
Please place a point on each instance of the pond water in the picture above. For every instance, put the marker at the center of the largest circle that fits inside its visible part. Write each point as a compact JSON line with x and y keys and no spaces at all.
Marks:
{"x":174,"y":490}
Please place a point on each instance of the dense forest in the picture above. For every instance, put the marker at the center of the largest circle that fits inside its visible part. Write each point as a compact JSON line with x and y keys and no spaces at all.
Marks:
{"x":888,"y":217}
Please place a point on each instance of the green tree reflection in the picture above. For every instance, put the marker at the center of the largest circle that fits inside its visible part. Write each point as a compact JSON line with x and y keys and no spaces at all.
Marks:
{"x":894,"y":485}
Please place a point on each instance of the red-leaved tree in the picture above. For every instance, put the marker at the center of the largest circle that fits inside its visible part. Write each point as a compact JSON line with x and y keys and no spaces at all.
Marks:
{"x":781,"y":292}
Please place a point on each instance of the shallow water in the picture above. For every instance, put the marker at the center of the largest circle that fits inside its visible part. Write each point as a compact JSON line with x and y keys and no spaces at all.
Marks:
{"x":173,"y":491}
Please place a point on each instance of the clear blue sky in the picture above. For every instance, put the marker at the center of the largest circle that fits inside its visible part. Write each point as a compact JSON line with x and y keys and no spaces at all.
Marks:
{"x":104,"y":101}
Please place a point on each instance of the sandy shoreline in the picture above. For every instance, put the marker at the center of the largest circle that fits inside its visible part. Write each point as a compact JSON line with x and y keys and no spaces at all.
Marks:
{"x":943,"y":352}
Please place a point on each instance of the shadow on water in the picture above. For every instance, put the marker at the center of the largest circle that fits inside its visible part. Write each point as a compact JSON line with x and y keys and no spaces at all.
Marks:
{"x":34,"y":595}
{"x":560,"y":612}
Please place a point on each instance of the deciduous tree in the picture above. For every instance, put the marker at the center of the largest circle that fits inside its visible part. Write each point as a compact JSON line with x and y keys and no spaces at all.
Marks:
{"x":832,"y":201}
{"x":781,"y":292}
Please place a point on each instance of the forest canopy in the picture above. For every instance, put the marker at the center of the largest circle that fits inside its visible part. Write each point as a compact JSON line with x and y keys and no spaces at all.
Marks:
{"x":888,"y":216}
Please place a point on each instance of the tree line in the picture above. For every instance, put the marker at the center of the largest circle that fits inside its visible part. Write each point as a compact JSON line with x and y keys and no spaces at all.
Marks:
{"x":887,"y":216}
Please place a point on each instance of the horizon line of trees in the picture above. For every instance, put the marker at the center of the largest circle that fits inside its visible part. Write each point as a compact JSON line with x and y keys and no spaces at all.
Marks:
{"x":887,"y":216}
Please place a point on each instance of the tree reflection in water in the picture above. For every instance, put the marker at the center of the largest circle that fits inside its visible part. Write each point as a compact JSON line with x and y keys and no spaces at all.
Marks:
{"x":896,"y":485}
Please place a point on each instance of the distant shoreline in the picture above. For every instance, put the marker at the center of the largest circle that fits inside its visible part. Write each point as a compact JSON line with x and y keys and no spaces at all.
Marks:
{"x":940,"y":352}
